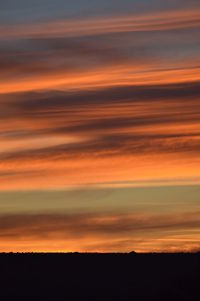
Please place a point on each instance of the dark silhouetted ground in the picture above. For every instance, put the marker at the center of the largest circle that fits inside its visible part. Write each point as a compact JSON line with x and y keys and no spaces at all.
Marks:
{"x":100,"y":277}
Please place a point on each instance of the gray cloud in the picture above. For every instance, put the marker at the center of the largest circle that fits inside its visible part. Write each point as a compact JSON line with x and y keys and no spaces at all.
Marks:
{"x":43,"y":104}
{"x":80,"y":225}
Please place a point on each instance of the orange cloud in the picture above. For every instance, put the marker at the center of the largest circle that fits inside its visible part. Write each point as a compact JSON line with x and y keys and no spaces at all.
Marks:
{"x":134,"y":135}
{"x":102,"y":78}
{"x":100,"y":232}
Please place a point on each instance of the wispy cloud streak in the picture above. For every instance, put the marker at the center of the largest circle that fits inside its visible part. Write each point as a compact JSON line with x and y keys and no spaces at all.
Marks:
{"x":149,"y":22}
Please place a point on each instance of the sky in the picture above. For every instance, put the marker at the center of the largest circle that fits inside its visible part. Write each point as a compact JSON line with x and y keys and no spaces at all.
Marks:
{"x":99,"y":126}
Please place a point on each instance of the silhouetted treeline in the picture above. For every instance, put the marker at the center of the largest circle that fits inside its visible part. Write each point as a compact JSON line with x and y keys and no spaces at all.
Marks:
{"x":75,"y":276}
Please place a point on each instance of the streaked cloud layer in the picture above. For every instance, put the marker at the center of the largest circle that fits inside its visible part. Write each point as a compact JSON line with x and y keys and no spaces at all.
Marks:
{"x":109,"y":219}
{"x":89,"y":27}
{"x":100,"y":101}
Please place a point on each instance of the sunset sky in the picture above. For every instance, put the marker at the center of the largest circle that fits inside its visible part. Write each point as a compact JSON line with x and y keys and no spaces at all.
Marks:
{"x":99,"y":125}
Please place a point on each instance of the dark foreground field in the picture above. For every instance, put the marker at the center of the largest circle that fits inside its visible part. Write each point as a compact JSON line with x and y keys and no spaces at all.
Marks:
{"x":100,"y":277}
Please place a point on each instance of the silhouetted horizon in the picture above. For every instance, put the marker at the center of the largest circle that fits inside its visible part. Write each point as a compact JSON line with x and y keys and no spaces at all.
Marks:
{"x":100,"y":276}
